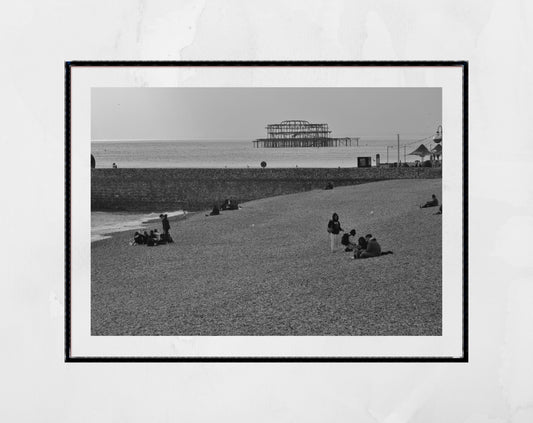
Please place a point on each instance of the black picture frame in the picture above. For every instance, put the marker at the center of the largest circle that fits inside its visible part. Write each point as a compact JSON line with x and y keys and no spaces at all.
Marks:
{"x":69,"y":65}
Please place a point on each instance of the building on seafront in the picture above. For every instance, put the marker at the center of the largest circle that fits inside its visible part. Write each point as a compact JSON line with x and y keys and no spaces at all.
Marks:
{"x":301,"y":133}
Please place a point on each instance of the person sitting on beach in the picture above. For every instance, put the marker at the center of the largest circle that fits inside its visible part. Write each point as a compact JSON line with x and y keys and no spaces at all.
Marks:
{"x":150,"y":239}
{"x":159,"y":237}
{"x":153,"y":238}
{"x":329,"y":185}
{"x":360,"y":246}
{"x":215,"y":211}
{"x":362,"y":243}
{"x":432,"y":203}
{"x":373,"y":249}
{"x":229,"y":205}
{"x":138,"y":239}
{"x":348,"y":240}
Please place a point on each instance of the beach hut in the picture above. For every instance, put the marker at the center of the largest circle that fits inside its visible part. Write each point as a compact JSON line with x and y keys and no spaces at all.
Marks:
{"x":421,"y":151}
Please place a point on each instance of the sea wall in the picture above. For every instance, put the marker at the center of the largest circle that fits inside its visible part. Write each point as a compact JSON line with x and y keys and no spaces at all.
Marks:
{"x":154,"y":190}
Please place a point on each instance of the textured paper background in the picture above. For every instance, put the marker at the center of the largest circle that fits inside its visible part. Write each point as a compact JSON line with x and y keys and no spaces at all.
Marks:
{"x":496,"y":37}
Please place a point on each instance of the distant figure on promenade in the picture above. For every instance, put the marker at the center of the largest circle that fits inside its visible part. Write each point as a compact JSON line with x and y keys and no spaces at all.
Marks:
{"x":115,"y":166}
{"x":329,"y":185}
{"x":215,"y":211}
{"x":166,"y":226}
{"x":432,"y":203}
{"x":373,"y":249}
{"x":334,"y":229}
{"x":348,"y":240}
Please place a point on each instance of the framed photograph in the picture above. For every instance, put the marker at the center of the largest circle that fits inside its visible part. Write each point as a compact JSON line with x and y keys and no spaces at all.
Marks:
{"x":266,"y":211}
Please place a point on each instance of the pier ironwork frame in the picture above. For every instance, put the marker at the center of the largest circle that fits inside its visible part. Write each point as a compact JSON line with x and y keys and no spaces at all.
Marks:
{"x":300,"y":133}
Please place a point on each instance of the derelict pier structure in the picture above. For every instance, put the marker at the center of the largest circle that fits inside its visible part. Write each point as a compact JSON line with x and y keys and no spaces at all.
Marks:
{"x":300,"y":133}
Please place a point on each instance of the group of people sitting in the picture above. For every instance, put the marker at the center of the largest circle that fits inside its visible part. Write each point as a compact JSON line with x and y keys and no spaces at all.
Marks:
{"x":154,"y":237}
{"x":364,"y":247}
{"x":227,"y":205}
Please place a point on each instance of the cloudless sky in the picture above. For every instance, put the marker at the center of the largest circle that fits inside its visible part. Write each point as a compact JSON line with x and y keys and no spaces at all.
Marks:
{"x":243,"y":113}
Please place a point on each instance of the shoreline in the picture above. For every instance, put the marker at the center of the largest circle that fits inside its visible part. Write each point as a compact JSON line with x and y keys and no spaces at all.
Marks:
{"x":140,"y":226}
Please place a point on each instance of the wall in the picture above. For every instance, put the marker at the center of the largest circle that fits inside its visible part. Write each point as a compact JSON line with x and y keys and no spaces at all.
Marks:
{"x":197,"y":189}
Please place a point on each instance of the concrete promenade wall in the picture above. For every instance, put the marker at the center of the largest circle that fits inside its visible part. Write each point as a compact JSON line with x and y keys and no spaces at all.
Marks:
{"x":154,"y":190}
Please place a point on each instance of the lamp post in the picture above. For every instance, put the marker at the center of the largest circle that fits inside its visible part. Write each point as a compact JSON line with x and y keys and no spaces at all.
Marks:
{"x":398,"y":163}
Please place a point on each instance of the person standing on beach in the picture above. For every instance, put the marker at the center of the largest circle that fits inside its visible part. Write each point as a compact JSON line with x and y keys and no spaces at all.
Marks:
{"x":334,"y":229}
{"x":166,"y":225}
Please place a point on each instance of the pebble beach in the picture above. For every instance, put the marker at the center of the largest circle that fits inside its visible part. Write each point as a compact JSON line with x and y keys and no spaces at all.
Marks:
{"x":267,"y":270}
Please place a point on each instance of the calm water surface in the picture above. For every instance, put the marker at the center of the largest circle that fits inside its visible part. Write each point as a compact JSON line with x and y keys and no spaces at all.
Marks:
{"x":242,"y":154}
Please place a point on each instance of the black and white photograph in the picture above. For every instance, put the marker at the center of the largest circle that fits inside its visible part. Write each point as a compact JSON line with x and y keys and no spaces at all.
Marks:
{"x":288,"y":213}
{"x":266,"y":211}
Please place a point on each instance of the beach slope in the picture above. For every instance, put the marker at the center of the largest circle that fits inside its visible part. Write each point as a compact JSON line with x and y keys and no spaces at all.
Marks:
{"x":267,"y":270}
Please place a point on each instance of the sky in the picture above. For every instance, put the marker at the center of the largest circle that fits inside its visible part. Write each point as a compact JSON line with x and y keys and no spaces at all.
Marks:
{"x":243,"y":113}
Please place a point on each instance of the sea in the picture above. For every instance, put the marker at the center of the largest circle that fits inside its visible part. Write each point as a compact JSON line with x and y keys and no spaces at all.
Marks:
{"x":231,"y":154}
{"x":242,"y":154}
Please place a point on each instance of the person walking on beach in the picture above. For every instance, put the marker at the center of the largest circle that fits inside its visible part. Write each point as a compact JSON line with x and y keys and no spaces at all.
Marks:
{"x":334,"y":229}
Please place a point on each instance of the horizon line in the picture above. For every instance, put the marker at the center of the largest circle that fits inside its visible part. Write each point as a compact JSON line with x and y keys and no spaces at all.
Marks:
{"x":240,"y":138}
